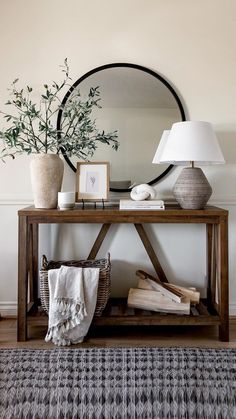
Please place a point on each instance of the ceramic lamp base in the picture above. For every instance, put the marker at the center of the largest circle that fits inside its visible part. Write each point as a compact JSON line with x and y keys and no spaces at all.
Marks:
{"x":192,"y":189}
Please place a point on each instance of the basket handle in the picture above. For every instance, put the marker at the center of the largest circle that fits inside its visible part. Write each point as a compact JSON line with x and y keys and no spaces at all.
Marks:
{"x":108,"y":258}
{"x":44,"y":262}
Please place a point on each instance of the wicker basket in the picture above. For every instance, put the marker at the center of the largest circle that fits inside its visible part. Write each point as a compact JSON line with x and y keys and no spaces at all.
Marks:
{"x":104,"y":284}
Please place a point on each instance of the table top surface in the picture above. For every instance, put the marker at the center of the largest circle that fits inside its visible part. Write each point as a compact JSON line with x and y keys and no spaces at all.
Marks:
{"x":91,"y":211}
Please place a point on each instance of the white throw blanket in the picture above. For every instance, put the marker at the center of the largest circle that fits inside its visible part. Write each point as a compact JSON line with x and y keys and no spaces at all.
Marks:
{"x":72,"y":302}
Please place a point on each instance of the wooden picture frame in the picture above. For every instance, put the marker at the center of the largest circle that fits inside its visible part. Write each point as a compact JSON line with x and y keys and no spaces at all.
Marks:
{"x":92,"y":181}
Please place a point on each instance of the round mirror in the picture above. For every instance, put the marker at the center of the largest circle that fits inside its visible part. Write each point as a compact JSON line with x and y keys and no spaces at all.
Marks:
{"x":137,"y":103}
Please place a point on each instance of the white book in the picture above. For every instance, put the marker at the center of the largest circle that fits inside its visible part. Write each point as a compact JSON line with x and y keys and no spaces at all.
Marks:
{"x":156,"y":208}
{"x":141,"y":203}
{"x":149,"y":204}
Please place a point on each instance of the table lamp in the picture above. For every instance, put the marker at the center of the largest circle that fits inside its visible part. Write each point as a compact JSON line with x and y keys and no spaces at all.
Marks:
{"x":161,"y":146}
{"x":186,"y":143}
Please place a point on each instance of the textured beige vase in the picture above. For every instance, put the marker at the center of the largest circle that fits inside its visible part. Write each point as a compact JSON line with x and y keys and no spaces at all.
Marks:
{"x":192,"y":189}
{"x":46,"y":178}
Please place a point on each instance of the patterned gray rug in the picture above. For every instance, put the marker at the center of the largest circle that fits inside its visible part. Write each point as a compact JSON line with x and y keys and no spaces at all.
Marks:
{"x":118,"y":383}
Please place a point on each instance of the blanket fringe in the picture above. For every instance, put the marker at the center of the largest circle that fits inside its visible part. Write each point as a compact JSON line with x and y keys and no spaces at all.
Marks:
{"x":76,"y":311}
{"x":71,"y":306}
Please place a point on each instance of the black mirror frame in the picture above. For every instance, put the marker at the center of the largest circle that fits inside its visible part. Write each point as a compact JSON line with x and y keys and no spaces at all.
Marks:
{"x":129,"y":65}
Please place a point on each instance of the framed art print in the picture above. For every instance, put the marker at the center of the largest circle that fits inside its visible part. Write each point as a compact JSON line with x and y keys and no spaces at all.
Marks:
{"x":92,"y":181}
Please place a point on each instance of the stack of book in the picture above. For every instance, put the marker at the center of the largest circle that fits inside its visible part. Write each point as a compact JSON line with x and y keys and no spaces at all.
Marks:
{"x":152,"y":204}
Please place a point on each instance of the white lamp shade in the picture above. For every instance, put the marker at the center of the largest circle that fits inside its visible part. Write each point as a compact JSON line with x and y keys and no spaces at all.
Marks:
{"x":191,"y":141}
{"x":161,"y":146}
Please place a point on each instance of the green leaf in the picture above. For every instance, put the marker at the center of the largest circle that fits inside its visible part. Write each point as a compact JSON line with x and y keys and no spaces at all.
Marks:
{"x":34,"y":129}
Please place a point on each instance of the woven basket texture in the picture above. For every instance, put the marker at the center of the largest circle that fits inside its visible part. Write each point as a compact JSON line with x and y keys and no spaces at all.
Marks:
{"x":104,"y":284}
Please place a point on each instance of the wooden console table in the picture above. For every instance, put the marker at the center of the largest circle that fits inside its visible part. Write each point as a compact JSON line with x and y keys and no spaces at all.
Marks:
{"x":211,"y":311}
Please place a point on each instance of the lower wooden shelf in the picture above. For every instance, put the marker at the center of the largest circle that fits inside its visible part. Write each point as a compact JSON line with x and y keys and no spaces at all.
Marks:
{"x":117,"y":313}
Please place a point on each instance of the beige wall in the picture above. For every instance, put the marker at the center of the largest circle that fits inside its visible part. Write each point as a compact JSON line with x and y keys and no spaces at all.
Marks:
{"x":190,"y":43}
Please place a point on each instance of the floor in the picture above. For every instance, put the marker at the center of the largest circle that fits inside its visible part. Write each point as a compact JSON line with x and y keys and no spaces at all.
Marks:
{"x":125,"y":336}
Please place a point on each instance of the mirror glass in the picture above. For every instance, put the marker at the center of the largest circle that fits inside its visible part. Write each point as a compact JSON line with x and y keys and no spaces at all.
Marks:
{"x":140,"y":105}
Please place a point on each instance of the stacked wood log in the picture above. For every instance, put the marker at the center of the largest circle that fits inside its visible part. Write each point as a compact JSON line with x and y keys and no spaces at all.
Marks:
{"x":152,"y":294}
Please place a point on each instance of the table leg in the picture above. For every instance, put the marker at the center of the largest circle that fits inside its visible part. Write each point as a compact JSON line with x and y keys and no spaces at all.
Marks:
{"x":224,"y":288}
{"x":35,"y":228}
{"x":22,"y":279}
{"x":99,"y":240}
{"x":151,"y":253}
{"x":209,"y":236}
{"x":212,"y":257}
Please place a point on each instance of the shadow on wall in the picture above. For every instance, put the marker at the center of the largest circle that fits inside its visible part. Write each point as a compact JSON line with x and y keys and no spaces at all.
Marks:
{"x":74,"y":241}
{"x":222,"y":177}
{"x":123,"y":277}
{"x":227,"y":141}
{"x":64,"y":243}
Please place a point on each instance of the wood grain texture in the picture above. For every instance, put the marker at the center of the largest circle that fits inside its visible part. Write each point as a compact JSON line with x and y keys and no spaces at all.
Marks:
{"x":224,"y":285}
{"x":156,"y":301}
{"x":151,"y":253}
{"x":190,"y":293}
{"x":172,"y":214}
{"x":99,"y":240}
{"x":156,"y":282}
{"x":22,"y":279}
{"x":33,"y":261}
{"x":29,"y":218}
{"x":209,"y":249}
